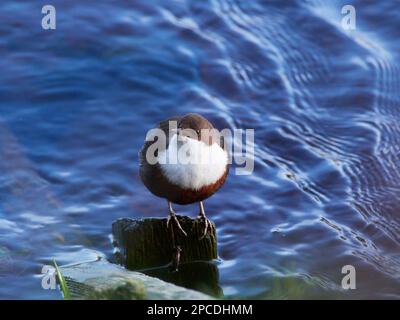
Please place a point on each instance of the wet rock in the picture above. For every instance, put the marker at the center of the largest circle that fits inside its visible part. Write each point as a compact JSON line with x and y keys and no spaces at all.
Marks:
{"x":101,"y":279}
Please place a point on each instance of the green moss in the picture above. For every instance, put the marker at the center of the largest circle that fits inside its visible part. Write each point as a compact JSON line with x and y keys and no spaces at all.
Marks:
{"x":128,"y":290}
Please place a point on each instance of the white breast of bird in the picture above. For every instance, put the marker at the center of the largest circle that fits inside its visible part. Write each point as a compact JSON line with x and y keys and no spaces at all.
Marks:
{"x":192,"y":164}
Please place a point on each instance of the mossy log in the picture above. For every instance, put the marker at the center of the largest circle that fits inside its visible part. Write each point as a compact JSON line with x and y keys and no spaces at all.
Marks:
{"x":101,"y":279}
{"x":148,"y":243}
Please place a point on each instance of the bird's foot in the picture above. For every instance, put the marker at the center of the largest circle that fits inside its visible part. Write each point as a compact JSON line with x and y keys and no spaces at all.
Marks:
{"x":173,"y":219}
{"x":207,"y":225}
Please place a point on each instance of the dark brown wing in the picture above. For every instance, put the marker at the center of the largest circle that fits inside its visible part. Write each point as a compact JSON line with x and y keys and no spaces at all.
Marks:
{"x":150,"y":174}
{"x":164,"y":126}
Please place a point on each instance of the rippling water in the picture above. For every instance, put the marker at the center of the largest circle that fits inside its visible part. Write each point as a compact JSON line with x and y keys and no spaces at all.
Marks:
{"x":75,"y":105}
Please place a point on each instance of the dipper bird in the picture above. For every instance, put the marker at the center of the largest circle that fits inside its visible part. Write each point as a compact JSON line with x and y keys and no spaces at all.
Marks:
{"x":190,"y":167}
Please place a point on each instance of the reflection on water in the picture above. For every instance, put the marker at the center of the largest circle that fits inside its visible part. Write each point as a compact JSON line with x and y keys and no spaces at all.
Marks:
{"x":200,"y":276}
{"x":76,"y":103}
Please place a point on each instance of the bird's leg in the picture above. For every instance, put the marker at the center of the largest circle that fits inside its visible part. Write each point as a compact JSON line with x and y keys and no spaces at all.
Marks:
{"x":204,"y":219}
{"x":172,"y":218}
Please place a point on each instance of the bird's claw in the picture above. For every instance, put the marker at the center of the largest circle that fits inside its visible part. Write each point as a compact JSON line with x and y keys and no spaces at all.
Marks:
{"x":177,"y":224}
{"x":207,"y":225}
